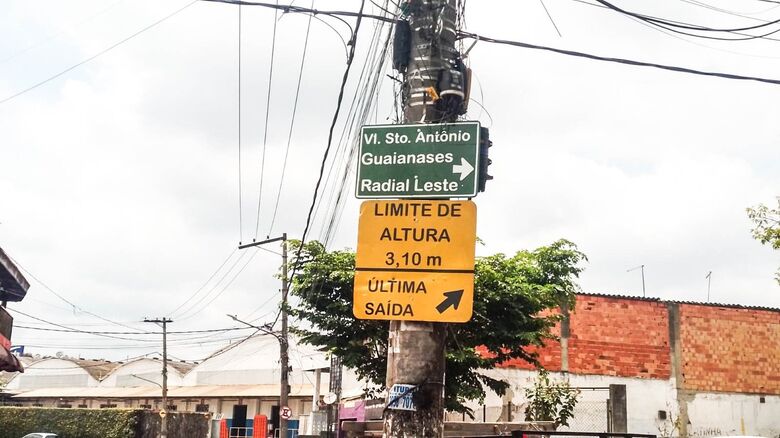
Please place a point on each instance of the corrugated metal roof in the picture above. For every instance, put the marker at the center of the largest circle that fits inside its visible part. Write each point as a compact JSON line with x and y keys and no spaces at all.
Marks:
{"x":203,"y":391}
{"x":695,"y":303}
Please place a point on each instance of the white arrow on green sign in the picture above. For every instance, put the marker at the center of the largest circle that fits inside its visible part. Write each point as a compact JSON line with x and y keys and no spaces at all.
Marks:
{"x":418,"y":161}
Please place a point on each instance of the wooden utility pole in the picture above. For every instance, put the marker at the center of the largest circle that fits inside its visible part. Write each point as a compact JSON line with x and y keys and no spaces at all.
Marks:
{"x":284,"y":345}
{"x":416,"y":349}
{"x":163,"y":417}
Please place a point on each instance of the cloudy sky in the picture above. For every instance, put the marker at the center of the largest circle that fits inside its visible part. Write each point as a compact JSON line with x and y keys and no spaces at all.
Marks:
{"x":120,"y":178}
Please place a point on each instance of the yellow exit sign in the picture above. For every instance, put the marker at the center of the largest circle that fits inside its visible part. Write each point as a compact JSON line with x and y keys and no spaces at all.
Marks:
{"x":415,"y":261}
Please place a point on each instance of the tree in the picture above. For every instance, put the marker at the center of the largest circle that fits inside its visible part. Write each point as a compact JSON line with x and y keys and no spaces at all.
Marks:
{"x":513,"y":310}
{"x":766,"y":229}
{"x":550,"y":401}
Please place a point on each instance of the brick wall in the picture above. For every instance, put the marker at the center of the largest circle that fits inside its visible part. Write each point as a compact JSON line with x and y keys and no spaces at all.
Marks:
{"x":730,"y":349}
{"x":723,"y":349}
{"x":612,"y":336}
{"x":619,"y":337}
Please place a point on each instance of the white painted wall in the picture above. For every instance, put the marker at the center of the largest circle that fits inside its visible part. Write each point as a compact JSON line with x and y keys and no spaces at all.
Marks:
{"x":710,"y":414}
{"x":718,"y":414}
{"x":644,"y":397}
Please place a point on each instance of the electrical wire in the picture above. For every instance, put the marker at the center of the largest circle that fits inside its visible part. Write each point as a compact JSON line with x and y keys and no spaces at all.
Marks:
{"x":221,"y":330}
{"x":211,"y":277}
{"x":74,"y":329}
{"x":330,"y":137}
{"x":240,"y":192}
{"x":213,"y":287}
{"x":58,"y":34}
{"x":299,"y":9}
{"x":369,"y":93}
{"x":98,"y":54}
{"x":267,"y":115}
{"x":550,"y":17}
{"x":724,"y":11}
{"x":661,"y":21}
{"x":766,"y":37}
{"x":70,"y":303}
{"x":292,"y":121}
{"x":617,"y":60}
{"x":225,"y":288}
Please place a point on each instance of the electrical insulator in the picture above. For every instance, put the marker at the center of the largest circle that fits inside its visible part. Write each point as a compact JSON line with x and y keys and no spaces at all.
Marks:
{"x":484,"y":159}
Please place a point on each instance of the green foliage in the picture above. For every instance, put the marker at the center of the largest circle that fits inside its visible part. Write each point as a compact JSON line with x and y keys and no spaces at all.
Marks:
{"x":766,"y":229}
{"x":550,"y":401}
{"x":512,"y":295}
{"x":68,"y":423}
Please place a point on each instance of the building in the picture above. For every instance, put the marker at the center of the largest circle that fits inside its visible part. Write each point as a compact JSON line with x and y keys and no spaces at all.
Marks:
{"x":235,"y":383}
{"x":684,"y":369}
{"x":13,"y":288}
{"x":689,"y":369}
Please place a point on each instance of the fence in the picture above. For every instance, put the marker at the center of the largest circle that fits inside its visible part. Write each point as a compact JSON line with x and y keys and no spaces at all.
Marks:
{"x":240,"y":432}
{"x":591,"y":413}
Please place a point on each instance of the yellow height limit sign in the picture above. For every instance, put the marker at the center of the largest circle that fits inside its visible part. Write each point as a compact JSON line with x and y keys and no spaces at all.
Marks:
{"x":415,"y":261}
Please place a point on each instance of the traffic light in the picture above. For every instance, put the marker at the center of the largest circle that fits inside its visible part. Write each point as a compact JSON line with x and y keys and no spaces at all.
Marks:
{"x":484,"y":160}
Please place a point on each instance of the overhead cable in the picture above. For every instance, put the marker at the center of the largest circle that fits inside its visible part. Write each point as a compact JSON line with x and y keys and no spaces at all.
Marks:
{"x":74,"y":329}
{"x":98,"y":54}
{"x":685,"y":26}
{"x":267,"y":115}
{"x":204,"y":284}
{"x":292,"y":122}
{"x":618,"y":60}
{"x":463,"y":34}
{"x":70,"y":303}
{"x":330,"y":136}
{"x":221,"y":330}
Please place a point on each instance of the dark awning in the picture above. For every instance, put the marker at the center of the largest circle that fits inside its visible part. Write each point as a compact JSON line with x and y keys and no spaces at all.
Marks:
{"x":13,"y":285}
{"x":9,"y":362}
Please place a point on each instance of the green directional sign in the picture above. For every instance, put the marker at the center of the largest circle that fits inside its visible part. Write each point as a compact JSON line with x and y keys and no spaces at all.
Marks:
{"x":418,"y":161}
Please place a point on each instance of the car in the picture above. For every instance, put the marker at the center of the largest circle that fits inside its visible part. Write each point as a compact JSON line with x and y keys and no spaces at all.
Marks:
{"x":40,"y":435}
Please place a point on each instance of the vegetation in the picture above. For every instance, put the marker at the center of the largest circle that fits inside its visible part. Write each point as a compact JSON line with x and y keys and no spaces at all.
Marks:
{"x":98,"y":423}
{"x":550,"y":401}
{"x":69,"y":423}
{"x":514,"y":297}
{"x":766,"y":229}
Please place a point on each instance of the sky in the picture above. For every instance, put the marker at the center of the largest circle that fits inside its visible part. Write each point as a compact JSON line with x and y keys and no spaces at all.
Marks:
{"x":119,"y":189}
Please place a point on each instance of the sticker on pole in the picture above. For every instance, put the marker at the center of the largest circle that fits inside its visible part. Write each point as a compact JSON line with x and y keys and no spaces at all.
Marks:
{"x":285,"y":412}
{"x":400,"y":398}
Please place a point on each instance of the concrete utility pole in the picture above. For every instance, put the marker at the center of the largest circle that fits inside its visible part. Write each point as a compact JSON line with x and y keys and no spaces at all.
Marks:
{"x":416,"y":349}
{"x":163,"y":417}
{"x":284,"y":358}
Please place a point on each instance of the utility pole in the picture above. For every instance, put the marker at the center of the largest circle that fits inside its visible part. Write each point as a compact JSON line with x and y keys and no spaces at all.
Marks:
{"x":284,"y":358}
{"x":163,"y":417}
{"x":416,"y":350}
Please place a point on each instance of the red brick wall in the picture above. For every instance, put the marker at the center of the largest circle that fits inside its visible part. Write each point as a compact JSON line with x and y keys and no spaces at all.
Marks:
{"x":612,"y":336}
{"x":619,"y":337}
{"x":723,"y":349}
{"x":549,"y":356}
{"x":731,"y":350}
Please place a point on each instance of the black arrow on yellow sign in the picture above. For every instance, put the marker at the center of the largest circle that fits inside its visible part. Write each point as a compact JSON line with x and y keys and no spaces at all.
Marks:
{"x":452,"y":299}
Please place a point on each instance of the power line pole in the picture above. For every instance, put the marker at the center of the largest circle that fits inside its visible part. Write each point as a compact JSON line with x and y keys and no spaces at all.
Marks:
{"x":416,"y":350}
{"x":164,"y":417}
{"x":284,"y":357}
